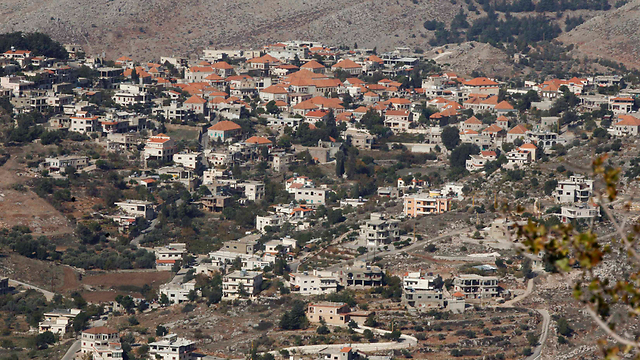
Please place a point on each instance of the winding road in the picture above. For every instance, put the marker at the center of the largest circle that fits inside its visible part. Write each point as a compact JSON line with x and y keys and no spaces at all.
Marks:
{"x":47,"y":294}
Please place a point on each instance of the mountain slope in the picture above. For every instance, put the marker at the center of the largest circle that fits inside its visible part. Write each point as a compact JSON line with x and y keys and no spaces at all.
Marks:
{"x":613,"y":35}
{"x":144,"y":29}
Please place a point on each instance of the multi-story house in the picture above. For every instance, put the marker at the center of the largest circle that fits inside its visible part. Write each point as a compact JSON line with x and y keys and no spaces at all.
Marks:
{"x":178,"y":293}
{"x":223,"y":131}
{"x":311,"y":196}
{"x":398,"y":120}
{"x":575,"y":189}
{"x":159,"y":147}
{"x":477,"y":162}
{"x":84,"y":123}
{"x":579,"y":211}
{"x":360,"y":275}
{"x":419,"y":291}
{"x":166,"y":256}
{"x":333,"y":313}
{"x":626,"y":125}
{"x":379,"y":230}
{"x":241,"y":284}
{"x":476,"y":287}
{"x":315,"y":283}
{"x":272,"y":221}
{"x":188,"y":159}
{"x":172,"y":348}
{"x":253,"y":190}
{"x":58,"y":321}
{"x":425,"y":204}
{"x":102,"y":343}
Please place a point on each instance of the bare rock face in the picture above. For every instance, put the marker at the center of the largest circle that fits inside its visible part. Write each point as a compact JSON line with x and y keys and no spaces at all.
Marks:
{"x":613,"y":35}
{"x":147,"y":29}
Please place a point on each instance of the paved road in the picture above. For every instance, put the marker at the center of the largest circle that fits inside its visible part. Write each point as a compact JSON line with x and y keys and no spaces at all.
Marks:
{"x":71,"y":353}
{"x":137,"y":239}
{"x":154,"y":223}
{"x":546,"y":320}
{"x":47,"y":294}
{"x":521,"y":297}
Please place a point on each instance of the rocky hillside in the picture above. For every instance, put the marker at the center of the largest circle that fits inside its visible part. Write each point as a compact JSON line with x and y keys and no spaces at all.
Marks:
{"x":145,"y":29}
{"x":613,"y":35}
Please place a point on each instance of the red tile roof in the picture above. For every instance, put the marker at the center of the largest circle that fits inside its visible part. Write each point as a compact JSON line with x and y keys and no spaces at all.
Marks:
{"x":225,"y":126}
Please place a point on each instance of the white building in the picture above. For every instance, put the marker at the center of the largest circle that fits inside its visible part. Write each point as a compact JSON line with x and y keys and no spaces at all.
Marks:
{"x":316,"y":283}
{"x":188,"y":159}
{"x":167,"y":256}
{"x":576,"y":189}
{"x":419,"y":291}
{"x":271,"y":220}
{"x":312,"y":196}
{"x":159,"y":147}
{"x":58,"y":321}
{"x":253,"y":190}
{"x":137,"y":208}
{"x":579,"y":211}
{"x":178,"y":293}
{"x":84,"y":123}
{"x":102,"y":343}
{"x":238,"y":282}
{"x":61,"y":162}
{"x":171,"y":347}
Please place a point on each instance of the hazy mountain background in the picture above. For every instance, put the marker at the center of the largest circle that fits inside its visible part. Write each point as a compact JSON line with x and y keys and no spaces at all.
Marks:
{"x":148,"y":29}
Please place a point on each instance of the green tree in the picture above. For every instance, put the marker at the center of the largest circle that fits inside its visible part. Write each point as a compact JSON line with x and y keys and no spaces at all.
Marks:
{"x":450,"y":137}
{"x":339,"y":164}
{"x":295,"y":318}
{"x":461,"y":154}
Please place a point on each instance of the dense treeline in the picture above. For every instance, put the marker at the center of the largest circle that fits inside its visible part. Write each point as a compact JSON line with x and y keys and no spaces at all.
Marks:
{"x":548,"y":5}
{"x":38,"y":43}
{"x":526,"y":30}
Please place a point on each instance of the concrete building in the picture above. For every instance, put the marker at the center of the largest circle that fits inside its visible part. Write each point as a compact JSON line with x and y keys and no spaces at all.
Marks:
{"x":311,"y":196}
{"x":315,"y":283}
{"x":576,"y":189}
{"x":346,"y":353}
{"x":253,"y":190}
{"x":245,"y":245}
{"x":333,"y":313}
{"x":419,"y":291}
{"x":241,"y":284}
{"x":476,"y":287}
{"x":55,"y":164}
{"x":579,"y":211}
{"x":425,"y":204}
{"x":215,"y":202}
{"x":172,"y":348}
{"x":58,"y":321}
{"x":188,"y":159}
{"x":167,"y":256}
{"x":178,"y":293}
{"x":360,"y":275}
{"x":379,"y":230}
{"x":84,"y":123}
{"x":137,"y":208}
{"x":272,"y":220}
{"x":102,"y":343}
{"x":159,"y":147}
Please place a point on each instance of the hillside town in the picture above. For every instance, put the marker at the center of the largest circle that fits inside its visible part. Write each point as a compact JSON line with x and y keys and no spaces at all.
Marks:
{"x":299,"y":201}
